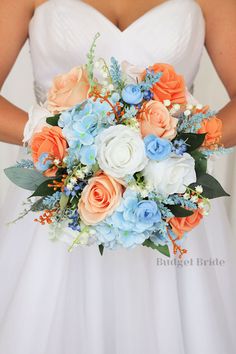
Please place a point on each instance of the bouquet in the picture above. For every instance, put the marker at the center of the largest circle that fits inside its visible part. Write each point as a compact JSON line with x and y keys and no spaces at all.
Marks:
{"x":118,"y":157}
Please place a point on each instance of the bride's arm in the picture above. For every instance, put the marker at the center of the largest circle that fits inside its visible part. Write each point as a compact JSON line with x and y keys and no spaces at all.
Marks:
{"x":221,"y":45}
{"x":14,"y":20}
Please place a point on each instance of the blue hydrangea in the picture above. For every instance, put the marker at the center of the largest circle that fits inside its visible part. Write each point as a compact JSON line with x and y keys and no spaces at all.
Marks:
{"x":132,"y":222}
{"x":80,"y":126}
{"x":106,"y":235}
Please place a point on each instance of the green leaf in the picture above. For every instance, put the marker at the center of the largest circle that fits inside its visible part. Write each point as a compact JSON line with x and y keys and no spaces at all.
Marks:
{"x":179,"y":211}
{"x":200,"y":163}
{"x":26,"y":178}
{"x":211,"y":187}
{"x":63,"y":201}
{"x":43,"y":190}
{"x":162,"y":249}
{"x":192,"y":140}
{"x":53,"y":120}
{"x":101,"y":249}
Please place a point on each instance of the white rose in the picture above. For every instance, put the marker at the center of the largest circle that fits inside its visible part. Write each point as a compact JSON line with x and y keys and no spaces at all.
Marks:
{"x":171,"y":175}
{"x":37,"y":119}
{"x":132,"y":72}
{"x":121,"y":151}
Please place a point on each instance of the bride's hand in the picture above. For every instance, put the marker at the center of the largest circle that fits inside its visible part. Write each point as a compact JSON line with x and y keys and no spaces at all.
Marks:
{"x":220,"y":43}
{"x":14,"y":20}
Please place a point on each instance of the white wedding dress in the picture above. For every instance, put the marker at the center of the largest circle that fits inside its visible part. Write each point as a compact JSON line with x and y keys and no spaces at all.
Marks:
{"x":126,"y":302}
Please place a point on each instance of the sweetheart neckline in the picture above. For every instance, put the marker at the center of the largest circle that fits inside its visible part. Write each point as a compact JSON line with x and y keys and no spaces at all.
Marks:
{"x":129,"y":27}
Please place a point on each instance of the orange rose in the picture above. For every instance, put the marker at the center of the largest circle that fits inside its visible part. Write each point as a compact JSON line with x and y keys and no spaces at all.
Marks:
{"x":213,"y":128}
{"x":155,"y":118}
{"x":50,"y":141}
{"x":99,"y":199}
{"x":171,"y":86}
{"x":68,"y":90}
{"x":182,"y":225}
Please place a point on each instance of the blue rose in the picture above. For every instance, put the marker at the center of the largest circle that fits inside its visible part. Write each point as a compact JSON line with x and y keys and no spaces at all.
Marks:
{"x":147,"y":212}
{"x":132,"y":94}
{"x":156,"y":148}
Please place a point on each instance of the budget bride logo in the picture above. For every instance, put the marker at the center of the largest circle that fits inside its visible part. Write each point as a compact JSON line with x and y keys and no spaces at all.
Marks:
{"x":189,"y":262}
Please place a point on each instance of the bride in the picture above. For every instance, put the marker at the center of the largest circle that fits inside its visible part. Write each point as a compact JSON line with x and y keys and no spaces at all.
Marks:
{"x":128,"y":301}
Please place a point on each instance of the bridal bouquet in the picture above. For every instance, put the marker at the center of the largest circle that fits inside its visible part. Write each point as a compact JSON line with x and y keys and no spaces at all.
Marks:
{"x":119,"y":157}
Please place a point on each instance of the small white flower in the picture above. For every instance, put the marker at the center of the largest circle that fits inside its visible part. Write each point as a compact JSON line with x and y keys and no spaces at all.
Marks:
{"x":194,"y":198}
{"x":189,"y":106}
{"x":199,"y":106}
{"x":143,"y":193}
{"x":104,"y":74}
{"x":187,"y":113}
{"x":105,"y":83}
{"x":111,"y":87}
{"x":86,"y":169}
{"x":199,"y":189}
{"x":56,"y":161}
{"x":177,"y":107}
{"x":205,"y":212}
{"x":79,"y":174}
{"x":98,"y":64}
{"x":103,"y":91}
{"x":69,"y":186}
{"x":186,"y":196}
{"x":167,"y":103}
{"x":201,"y":205}
{"x":73,"y":180}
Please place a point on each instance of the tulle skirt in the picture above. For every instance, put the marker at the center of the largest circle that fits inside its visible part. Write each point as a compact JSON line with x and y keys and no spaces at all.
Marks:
{"x":124,"y":302}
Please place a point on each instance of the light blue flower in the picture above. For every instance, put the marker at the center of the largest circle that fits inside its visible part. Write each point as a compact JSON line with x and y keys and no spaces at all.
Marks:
{"x":88,"y":154}
{"x":44,"y":162}
{"x":134,"y":219}
{"x":132,"y":94}
{"x":130,"y":239}
{"x":106,"y":235}
{"x":81,"y":124}
{"x":157,"y":148}
{"x":147,"y":212}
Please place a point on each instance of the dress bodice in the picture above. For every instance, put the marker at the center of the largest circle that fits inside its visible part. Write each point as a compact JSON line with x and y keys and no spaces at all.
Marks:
{"x":61,"y":32}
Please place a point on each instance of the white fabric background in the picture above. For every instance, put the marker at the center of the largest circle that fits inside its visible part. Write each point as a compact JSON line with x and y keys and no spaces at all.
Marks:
{"x":18,"y":89}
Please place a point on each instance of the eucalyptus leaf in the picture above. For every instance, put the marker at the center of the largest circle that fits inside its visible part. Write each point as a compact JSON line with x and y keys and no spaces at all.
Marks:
{"x":162,"y":249}
{"x":211,"y":187}
{"x":63,"y":201}
{"x":26,"y":178}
